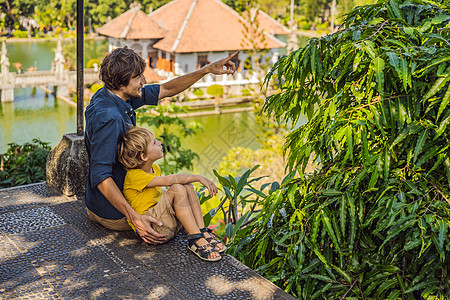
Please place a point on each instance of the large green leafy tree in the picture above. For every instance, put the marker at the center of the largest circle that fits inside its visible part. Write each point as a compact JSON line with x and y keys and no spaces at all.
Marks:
{"x":372,"y":222}
{"x":102,"y":11}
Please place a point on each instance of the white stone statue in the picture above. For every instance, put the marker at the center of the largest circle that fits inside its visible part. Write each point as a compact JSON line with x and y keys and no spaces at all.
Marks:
{"x":4,"y":60}
{"x":59,"y":59}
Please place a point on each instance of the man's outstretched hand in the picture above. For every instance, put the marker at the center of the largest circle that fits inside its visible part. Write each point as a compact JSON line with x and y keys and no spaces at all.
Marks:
{"x":173,"y":87}
{"x":145,"y":230}
{"x":223,"y":66}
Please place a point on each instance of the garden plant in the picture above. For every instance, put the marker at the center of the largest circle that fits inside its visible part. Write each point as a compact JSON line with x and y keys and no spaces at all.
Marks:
{"x":23,"y":164}
{"x":371,"y":222}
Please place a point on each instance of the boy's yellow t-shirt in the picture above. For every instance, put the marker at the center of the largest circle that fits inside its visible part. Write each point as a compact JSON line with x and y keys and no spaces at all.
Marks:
{"x":135,"y":190}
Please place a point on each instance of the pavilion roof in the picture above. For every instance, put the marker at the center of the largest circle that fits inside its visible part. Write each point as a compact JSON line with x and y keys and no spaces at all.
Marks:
{"x":151,"y":76}
{"x":184,"y":26}
{"x":206,"y":25}
{"x":271,"y":26}
{"x":133,"y":24}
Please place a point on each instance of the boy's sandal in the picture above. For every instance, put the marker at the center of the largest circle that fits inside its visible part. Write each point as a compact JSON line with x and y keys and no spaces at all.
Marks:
{"x":201,"y":251}
{"x":213,"y":240}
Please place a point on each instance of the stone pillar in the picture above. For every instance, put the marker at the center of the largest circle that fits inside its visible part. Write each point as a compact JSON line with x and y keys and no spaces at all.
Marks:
{"x":275,"y":57}
{"x":59,"y":60}
{"x":217,"y":104}
{"x":68,"y":165}
{"x":7,"y":94}
{"x":292,"y":42}
{"x":178,"y":69}
{"x":61,"y":91}
{"x":4,"y":61}
{"x":144,"y":50}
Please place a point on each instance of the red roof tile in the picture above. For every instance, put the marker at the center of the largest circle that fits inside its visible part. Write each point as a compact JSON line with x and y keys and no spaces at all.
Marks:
{"x":268,"y":24}
{"x":204,"y":25}
{"x":133,"y":24}
{"x":151,"y":76}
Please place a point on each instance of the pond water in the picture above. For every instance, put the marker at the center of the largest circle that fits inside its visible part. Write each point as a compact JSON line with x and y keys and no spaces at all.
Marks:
{"x":40,"y":53}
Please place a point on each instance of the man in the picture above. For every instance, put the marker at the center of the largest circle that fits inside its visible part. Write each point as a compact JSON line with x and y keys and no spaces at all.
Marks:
{"x":109,"y":114}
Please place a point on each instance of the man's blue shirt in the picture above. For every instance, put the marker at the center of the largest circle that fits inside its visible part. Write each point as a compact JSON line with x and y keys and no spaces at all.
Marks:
{"x":107,"y":118}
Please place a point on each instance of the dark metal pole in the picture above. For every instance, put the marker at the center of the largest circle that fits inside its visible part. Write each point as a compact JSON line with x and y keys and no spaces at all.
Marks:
{"x":80,"y":66}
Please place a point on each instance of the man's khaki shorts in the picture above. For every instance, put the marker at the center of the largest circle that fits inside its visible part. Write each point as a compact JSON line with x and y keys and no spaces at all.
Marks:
{"x":120,"y":224}
{"x":164,"y":212}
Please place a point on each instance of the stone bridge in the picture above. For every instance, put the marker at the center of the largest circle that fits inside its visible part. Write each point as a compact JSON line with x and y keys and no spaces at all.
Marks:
{"x":58,"y":77}
{"x":59,"y":81}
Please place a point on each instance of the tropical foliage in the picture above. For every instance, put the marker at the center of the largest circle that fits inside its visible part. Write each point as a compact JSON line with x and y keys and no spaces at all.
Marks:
{"x":240,"y":203}
{"x":270,"y":136}
{"x":372,"y":222}
{"x":23,"y":164}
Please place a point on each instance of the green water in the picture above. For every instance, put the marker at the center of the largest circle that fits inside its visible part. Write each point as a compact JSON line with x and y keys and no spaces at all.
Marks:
{"x":34,"y":116}
{"x":221,"y":133}
{"x":40,"y":54}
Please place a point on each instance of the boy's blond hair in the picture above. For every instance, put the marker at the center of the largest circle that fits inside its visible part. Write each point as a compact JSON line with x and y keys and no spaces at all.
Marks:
{"x":131,"y":145}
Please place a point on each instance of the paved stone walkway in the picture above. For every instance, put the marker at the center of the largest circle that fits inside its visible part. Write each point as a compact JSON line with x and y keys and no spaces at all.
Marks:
{"x":50,"y":250}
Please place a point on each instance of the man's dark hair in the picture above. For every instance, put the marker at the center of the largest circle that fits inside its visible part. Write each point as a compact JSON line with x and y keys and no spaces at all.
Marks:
{"x":120,"y":66}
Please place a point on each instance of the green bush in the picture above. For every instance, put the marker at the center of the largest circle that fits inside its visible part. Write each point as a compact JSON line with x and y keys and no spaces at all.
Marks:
{"x":323,"y":26}
{"x":238,"y":207}
{"x":20,"y":34}
{"x":95,"y":87}
{"x":198,"y":92}
{"x":215,"y":90}
{"x":372,"y":222}
{"x":24,"y":164}
{"x":245,"y":92}
{"x":305,"y":24}
{"x":91,"y":62}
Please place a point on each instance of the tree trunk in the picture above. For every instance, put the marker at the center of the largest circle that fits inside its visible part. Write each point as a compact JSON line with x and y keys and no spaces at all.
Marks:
{"x":8,"y":5}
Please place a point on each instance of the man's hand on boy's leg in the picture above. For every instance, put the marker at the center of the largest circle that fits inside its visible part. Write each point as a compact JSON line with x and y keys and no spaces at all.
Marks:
{"x":146,"y":232}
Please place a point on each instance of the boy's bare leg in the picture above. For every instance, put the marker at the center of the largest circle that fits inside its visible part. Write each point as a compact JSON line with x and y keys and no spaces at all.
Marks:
{"x":179,"y":200}
{"x":195,"y":205}
{"x":197,"y":211}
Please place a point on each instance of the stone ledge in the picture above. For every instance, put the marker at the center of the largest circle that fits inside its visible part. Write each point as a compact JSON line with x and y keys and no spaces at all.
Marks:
{"x":63,"y":255}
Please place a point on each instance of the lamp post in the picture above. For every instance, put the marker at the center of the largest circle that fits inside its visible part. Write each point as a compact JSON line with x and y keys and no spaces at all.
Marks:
{"x":80,"y":66}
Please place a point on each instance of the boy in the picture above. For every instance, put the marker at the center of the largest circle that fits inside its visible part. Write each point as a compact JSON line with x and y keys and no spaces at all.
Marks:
{"x":138,"y":149}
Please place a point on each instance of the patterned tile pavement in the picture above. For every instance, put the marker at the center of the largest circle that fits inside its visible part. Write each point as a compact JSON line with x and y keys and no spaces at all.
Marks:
{"x":50,"y":250}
